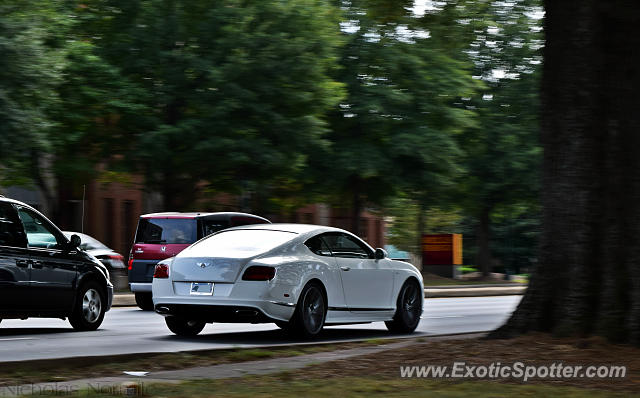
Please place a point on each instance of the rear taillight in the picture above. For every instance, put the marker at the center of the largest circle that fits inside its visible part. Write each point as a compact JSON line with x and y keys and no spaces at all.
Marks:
{"x":130,"y":264}
{"x":161,"y":271}
{"x":259,"y":273}
{"x":116,"y":257}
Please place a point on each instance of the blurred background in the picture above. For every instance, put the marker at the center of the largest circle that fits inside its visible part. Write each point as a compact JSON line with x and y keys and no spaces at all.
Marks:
{"x":387,"y":118}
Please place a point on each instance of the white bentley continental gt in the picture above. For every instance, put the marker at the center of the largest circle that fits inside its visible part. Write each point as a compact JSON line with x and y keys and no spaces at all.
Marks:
{"x":301,"y":277}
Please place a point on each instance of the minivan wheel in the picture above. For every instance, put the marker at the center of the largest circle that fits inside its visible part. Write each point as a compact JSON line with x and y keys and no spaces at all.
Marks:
{"x":183,"y":327}
{"x":90,"y":307}
{"x":144,"y":301}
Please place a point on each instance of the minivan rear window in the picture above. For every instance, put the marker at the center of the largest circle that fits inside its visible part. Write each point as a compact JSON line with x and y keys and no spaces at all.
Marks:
{"x":166,"y":230}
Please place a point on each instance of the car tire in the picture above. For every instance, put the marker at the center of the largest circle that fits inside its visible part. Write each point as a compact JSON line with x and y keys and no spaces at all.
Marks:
{"x":408,"y":310}
{"x":183,"y":327}
{"x":308,"y":319}
{"x":144,"y":301}
{"x":90,"y":307}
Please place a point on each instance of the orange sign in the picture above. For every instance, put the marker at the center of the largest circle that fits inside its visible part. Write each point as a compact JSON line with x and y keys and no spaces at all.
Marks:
{"x":442,"y":249}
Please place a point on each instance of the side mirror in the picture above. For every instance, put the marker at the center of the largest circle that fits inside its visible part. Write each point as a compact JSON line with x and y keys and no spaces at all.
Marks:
{"x":380,"y":254}
{"x":74,"y":242}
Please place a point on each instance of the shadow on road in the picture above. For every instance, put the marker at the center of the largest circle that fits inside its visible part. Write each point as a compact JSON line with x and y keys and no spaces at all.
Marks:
{"x":9,"y":331}
{"x":277,"y":336}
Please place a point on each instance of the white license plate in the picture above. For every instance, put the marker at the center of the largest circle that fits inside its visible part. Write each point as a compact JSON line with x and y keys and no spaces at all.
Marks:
{"x":202,"y":288}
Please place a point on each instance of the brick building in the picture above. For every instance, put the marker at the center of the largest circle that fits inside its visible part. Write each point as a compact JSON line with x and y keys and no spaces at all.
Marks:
{"x":111,"y":213}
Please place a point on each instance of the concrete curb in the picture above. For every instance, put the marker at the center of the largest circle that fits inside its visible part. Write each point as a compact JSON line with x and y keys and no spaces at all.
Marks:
{"x":477,"y":286}
{"x":128,"y":299}
{"x":475,"y":292}
{"x":124,"y":300}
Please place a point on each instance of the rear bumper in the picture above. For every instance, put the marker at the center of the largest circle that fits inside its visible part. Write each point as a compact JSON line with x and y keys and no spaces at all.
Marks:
{"x":230,"y":302}
{"x":214,"y":313}
{"x":140,"y":287}
{"x":142,"y":271}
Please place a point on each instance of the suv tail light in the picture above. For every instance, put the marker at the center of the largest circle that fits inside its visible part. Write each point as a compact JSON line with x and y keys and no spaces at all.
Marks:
{"x":130,"y":264}
{"x":161,"y":271}
{"x":259,"y":273}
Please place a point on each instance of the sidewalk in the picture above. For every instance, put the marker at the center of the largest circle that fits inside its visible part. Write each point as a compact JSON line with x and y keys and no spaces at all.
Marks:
{"x":128,"y":300}
{"x":123,"y":385}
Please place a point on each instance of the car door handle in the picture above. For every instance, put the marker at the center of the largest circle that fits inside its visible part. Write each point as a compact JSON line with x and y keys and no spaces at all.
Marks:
{"x":22,"y":263}
{"x":37,"y":264}
{"x":345,"y":268}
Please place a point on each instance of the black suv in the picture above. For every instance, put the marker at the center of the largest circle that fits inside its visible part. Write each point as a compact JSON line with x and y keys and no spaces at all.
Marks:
{"x":42,"y":274}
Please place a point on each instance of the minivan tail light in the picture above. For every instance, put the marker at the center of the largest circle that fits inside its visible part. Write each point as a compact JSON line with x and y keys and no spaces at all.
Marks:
{"x":259,"y":273}
{"x":161,"y":271}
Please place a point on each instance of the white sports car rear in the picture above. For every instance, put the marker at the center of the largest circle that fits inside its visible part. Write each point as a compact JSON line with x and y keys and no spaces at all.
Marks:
{"x":301,"y":277}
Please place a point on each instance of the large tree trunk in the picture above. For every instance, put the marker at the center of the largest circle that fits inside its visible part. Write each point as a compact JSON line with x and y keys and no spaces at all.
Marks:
{"x":588,"y":280}
{"x":356,"y":207}
{"x":41,"y":165}
{"x":483,"y":236}
{"x":422,"y":225}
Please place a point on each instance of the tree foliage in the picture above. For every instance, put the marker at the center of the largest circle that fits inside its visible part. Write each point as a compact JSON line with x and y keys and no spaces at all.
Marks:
{"x":395,"y":128}
{"x":236,"y":91}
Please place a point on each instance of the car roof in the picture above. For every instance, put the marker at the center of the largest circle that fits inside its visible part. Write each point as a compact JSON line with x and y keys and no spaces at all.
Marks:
{"x":177,"y":214}
{"x":295,"y":228}
{"x":17,"y":202}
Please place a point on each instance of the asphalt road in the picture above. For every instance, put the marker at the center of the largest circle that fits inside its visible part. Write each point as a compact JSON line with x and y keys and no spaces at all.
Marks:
{"x":129,"y":331}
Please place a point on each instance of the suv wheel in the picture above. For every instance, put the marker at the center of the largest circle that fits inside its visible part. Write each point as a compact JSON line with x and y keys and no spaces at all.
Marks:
{"x":90,"y":307}
{"x":144,"y":301}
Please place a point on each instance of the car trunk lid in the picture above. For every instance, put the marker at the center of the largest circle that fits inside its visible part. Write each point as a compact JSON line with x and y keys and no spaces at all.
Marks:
{"x":207,"y":269}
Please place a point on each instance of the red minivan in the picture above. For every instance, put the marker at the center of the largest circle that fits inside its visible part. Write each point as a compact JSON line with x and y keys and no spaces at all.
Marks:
{"x":163,"y":235}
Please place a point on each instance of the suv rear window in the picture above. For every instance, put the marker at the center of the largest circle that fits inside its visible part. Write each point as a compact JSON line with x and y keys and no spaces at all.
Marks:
{"x":166,"y":230}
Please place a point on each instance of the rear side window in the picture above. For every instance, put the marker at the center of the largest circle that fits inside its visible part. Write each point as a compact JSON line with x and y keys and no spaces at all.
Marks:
{"x":11,"y":233}
{"x":215,"y":224}
{"x":211,"y":226}
{"x":246,"y":220}
{"x":318,"y":246}
{"x":166,"y":230}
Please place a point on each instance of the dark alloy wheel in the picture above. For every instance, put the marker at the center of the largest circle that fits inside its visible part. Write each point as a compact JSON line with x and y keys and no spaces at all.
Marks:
{"x":144,"y":301}
{"x":184,"y":327}
{"x":409,"y":309}
{"x":90,"y":307}
{"x":308,"y":319}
